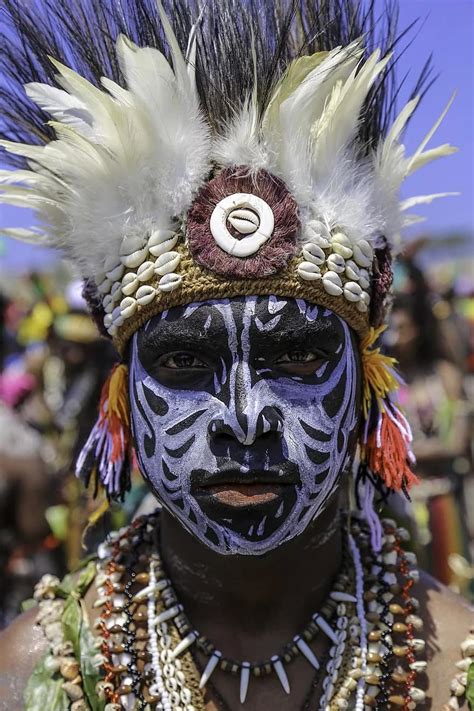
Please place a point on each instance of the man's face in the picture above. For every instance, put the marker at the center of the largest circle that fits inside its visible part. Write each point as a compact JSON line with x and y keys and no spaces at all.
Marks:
{"x":244,"y":413}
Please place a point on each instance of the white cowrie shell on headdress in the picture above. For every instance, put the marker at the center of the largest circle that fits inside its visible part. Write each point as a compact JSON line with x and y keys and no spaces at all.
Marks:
{"x":130,"y":244}
{"x":112,"y":330}
{"x":313,"y":253}
{"x":228,"y":206}
{"x":336,"y":263}
{"x":130,"y":283}
{"x":116,"y":288}
{"x":364,"y":302}
{"x":341,"y":244}
{"x":364,"y":279}
{"x":352,"y":291}
{"x":169,"y":282}
{"x":104,"y":286}
{"x":167,"y":263}
{"x":117,"y":318}
{"x":128,"y":306}
{"x":145,"y":271}
{"x":245,"y":221}
{"x":108,"y":304}
{"x":132,"y":261}
{"x":145,"y":294}
{"x":116,"y":273}
{"x":309,"y":271}
{"x":352,"y":270}
{"x":161,"y":241}
{"x":107,"y":320}
{"x":332,"y":283}
{"x":317,"y":232}
{"x":363,"y":253}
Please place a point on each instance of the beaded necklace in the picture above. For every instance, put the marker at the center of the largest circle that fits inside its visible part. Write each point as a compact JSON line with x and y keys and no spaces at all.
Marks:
{"x":145,"y":637}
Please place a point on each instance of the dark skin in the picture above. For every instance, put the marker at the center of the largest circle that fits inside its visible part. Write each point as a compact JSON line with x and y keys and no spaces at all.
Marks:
{"x":257,"y":603}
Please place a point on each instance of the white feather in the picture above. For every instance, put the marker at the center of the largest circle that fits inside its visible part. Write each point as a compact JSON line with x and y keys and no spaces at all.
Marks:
{"x":423,"y":200}
{"x":413,"y":161}
{"x":138,"y":163}
{"x":61,"y":106}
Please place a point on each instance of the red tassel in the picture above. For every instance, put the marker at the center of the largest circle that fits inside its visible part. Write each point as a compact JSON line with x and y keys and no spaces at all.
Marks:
{"x":387,"y":452}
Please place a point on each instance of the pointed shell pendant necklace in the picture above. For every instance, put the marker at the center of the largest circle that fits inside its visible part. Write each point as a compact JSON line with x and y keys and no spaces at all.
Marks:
{"x":159,"y":592}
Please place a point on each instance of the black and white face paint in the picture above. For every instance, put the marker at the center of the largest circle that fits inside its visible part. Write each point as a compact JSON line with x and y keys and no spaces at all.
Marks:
{"x":243,"y":414}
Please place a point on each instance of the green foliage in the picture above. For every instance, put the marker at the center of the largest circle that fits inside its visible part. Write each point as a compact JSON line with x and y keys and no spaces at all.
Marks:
{"x":44,"y":691}
{"x":470,"y":687}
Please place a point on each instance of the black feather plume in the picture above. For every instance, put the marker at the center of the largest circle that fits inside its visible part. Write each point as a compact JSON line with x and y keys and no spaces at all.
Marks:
{"x":82,"y":35}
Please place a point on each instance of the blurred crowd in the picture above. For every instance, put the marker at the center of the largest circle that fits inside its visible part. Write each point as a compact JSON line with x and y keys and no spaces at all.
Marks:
{"x":53,"y":364}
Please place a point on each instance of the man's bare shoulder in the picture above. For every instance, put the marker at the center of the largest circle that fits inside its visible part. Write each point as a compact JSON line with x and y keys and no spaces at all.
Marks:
{"x":448,"y":619}
{"x":22,"y":645}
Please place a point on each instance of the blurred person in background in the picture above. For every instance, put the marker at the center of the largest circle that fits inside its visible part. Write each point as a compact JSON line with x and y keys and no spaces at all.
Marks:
{"x":434,"y":400}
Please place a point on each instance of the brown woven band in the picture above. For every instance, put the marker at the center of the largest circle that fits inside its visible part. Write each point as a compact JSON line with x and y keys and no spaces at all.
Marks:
{"x":200,"y":284}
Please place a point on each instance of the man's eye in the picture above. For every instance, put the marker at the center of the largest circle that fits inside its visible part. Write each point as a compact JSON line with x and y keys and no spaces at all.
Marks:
{"x":182,"y":360}
{"x":292,"y":357}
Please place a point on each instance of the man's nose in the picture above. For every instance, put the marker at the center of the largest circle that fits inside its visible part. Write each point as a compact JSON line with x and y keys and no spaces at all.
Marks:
{"x":264,"y":427}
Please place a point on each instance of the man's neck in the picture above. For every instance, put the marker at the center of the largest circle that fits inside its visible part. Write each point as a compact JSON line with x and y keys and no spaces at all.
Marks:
{"x":259,"y":600}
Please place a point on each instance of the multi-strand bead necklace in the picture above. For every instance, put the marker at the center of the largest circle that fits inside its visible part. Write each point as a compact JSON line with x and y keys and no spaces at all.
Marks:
{"x":370,"y":619}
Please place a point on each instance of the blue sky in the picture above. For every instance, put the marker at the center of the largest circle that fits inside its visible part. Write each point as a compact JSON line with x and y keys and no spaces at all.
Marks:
{"x":446,"y":30}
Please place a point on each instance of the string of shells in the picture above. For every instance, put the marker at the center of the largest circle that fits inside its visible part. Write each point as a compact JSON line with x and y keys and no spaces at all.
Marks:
{"x":125,"y":284}
{"x":342,"y":266}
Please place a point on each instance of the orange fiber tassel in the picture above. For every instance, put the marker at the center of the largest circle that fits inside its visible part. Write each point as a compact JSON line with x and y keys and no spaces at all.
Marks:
{"x":107,"y":449}
{"x":387,"y":454}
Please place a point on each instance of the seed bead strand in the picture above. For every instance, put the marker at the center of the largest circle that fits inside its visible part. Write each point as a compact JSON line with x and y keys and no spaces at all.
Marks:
{"x":360,"y":584}
{"x":133,"y":681}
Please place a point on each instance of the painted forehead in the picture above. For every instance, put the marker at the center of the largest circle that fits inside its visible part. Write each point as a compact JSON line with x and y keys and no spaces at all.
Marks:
{"x":269,"y":322}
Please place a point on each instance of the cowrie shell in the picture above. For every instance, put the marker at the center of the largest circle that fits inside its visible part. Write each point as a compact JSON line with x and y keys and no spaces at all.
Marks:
{"x":244,"y":221}
{"x":130,"y":244}
{"x":247,"y":246}
{"x":363,"y":253}
{"x":317,"y":232}
{"x":336,"y":263}
{"x":112,"y":330}
{"x":352,"y":291}
{"x":170,"y":282}
{"x":145,"y":294}
{"x":352,"y":270}
{"x":364,"y":279}
{"x":108,"y":304}
{"x":104,"y":286}
{"x":117,"y":318}
{"x":145,"y":271}
{"x":313,"y":253}
{"x":132,"y":261}
{"x":116,"y":273}
{"x":332,"y":283}
{"x":341,"y":244}
{"x":161,"y":241}
{"x":130,"y":283}
{"x":309,"y":271}
{"x":167,"y":263}
{"x":128,"y":306}
{"x":107,"y":320}
{"x":364,"y":302}
{"x":116,"y":287}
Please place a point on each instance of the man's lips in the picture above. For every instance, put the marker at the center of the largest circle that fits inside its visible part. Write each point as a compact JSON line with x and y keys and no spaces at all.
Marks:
{"x":233,"y":487}
{"x":244,"y":494}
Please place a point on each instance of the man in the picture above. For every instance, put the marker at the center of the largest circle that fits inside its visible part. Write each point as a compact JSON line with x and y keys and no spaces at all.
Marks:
{"x":234,"y":219}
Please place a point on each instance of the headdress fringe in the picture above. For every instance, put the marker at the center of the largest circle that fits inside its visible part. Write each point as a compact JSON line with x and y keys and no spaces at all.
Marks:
{"x":386,"y":436}
{"x":106,"y":455}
